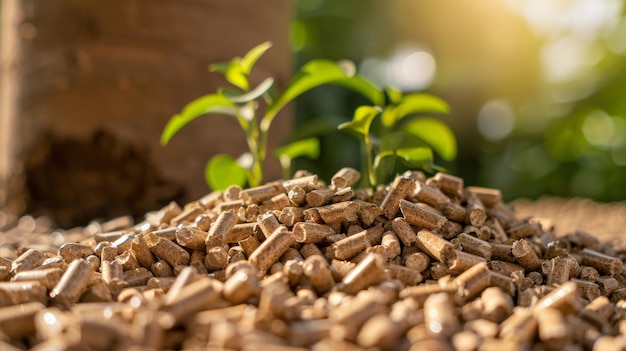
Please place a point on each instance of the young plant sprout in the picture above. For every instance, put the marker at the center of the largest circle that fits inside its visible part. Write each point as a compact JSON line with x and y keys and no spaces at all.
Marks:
{"x":398,"y":136}
{"x":242,"y":102}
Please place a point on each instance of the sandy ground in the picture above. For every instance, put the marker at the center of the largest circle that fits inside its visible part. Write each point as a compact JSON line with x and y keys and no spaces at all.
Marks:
{"x":607,"y":221}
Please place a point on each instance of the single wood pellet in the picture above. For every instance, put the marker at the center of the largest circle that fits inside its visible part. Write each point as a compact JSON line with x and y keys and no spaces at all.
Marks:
{"x":298,"y":265}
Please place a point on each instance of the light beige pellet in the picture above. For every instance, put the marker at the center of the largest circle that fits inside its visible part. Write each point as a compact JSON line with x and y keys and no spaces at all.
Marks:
{"x":308,"y":232}
{"x":249,"y":245}
{"x":552,"y":328}
{"x":30,"y":259}
{"x":73,"y":283}
{"x":498,"y":305}
{"x":474,"y":280}
{"x":368,"y":212}
{"x":436,"y":247}
{"x":276,"y":203}
{"x":111,"y":236}
{"x":167,"y":233}
{"x":504,"y":268}
{"x":319,"y":197}
{"x":475,"y":246}
{"x":167,"y":250}
{"x":352,"y":245}
{"x":261,"y":193}
{"x":307,"y":182}
{"x":418,"y":261}
{"x":353,"y":315}
{"x":197,"y":296}
{"x":15,"y":293}
{"x":140,"y":249}
{"x":562,"y":298}
{"x":525,"y":255}
{"x":289,"y":216}
{"x":454,"y":212}
{"x":192,"y":238}
{"x":271,"y":249}
{"x":123,"y":243}
{"x":482,"y":327}
{"x":241,"y":286}
{"x":48,"y":277}
{"x":431,"y":196}
{"x":162,"y":269}
{"x":476,"y":215}
{"x":421,"y":217}
{"x":400,"y":189}
{"x":369,"y":271}
{"x":204,"y":221}
{"x":558,"y":271}
{"x":345,"y":177}
{"x":339,"y":212}
{"x":316,"y":269}
{"x":607,"y":285}
{"x":449,"y":184}
{"x":520,"y":327}
{"x":380,"y":331}
{"x":74,"y":251}
{"x":220,"y":228}
{"x":502,"y":252}
{"x":216,"y":258}
{"x":18,"y":321}
{"x":403,"y":229}
{"x":310,"y":249}
{"x":187,"y":215}
{"x":465,"y":261}
{"x":390,"y":244}
{"x":440,"y":315}
{"x":524,"y":230}
{"x":603,"y":263}
{"x":342,"y":195}
{"x":407,"y":276}
{"x":137,"y":277}
{"x":297,"y":196}
{"x":587,"y":289}
{"x":488,"y":196}
{"x":497,"y":232}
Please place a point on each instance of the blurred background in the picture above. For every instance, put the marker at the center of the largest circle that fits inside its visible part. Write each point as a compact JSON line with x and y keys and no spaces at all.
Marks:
{"x":537,"y":91}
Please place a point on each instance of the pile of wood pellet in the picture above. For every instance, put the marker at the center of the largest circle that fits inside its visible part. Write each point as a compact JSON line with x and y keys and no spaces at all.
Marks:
{"x":421,"y":264}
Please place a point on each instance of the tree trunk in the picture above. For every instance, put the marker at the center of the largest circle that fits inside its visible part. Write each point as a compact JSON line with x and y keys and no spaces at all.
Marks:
{"x":89,"y":85}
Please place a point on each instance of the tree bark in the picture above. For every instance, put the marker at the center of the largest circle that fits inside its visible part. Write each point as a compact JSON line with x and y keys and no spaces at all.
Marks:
{"x":89,"y":79}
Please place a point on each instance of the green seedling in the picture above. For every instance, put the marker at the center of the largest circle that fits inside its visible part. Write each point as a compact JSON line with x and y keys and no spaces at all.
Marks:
{"x":243,"y":102}
{"x":399,"y":136}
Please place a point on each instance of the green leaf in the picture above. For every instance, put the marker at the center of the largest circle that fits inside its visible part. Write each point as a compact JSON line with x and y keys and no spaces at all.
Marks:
{"x":309,"y":147}
{"x":417,"y":156}
{"x":212,"y":103}
{"x":395,"y":95}
{"x":261,"y":89}
{"x":248,"y":61}
{"x":363,"y":87}
{"x":435,"y":134}
{"x":420,"y":103}
{"x":362,"y":120}
{"x":399,"y":140}
{"x":236,"y":76}
{"x":220,"y":67}
{"x":311,"y":75}
{"x":389,"y":115}
{"x":223,"y":171}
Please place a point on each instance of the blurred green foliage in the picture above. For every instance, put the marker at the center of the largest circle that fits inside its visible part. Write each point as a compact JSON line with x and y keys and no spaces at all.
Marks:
{"x":558,"y":67}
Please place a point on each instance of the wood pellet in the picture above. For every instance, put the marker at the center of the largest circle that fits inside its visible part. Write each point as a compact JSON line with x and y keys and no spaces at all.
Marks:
{"x":422,"y":263}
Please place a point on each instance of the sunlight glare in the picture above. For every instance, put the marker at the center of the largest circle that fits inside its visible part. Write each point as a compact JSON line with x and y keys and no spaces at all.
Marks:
{"x":496,"y":120}
{"x":411,"y":68}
